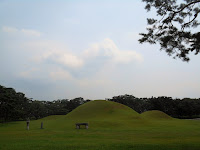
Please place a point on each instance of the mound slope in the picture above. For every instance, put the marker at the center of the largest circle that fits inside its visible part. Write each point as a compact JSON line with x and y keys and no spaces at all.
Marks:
{"x":101,"y":109}
{"x":155,"y":114}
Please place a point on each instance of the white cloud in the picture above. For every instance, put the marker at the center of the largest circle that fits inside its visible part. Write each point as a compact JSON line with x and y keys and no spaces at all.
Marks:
{"x":61,"y":75}
{"x":29,"y":73}
{"x":27,"y":32}
{"x":93,"y":51}
{"x":109,"y":49}
{"x":65,"y":58}
{"x":61,"y":57}
{"x":54,"y":52}
{"x":74,"y":66}
{"x":9,"y":29}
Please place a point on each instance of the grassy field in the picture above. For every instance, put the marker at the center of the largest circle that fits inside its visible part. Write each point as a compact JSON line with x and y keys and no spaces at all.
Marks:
{"x":112,"y":126}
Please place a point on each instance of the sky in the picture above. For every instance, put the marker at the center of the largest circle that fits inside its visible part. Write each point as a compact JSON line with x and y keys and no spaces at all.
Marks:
{"x":65,"y":49}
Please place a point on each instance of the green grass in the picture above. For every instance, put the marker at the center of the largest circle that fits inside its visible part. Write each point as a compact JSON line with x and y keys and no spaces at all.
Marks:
{"x":111,"y":126}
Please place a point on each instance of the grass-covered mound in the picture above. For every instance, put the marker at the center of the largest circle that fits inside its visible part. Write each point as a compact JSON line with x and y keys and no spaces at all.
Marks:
{"x":105,"y":114}
{"x":101,"y":109}
{"x":155,"y":115}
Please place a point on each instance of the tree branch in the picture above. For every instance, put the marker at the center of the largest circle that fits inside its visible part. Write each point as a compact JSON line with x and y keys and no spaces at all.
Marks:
{"x":169,"y":30}
{"x":195,"y":16}
{"x":198,"y":1}
{"x":176,"y":12}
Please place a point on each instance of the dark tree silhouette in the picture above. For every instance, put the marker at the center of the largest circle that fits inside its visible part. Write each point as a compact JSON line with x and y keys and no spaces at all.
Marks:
{"x":173,"y":29}
{"x":16,"y":106}
{"x":178,"y":108}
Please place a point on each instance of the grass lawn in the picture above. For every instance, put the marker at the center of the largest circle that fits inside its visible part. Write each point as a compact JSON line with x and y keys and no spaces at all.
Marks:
{"x":111,"y":126}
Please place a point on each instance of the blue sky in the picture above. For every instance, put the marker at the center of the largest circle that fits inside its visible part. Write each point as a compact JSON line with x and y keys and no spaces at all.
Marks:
{"x":65,"y":49}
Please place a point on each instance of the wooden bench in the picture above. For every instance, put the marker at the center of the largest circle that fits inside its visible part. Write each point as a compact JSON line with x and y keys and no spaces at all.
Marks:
{"x":79,"y":124}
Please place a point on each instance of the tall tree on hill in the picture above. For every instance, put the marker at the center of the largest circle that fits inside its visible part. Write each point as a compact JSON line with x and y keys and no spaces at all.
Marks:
{"x":173,"y":29}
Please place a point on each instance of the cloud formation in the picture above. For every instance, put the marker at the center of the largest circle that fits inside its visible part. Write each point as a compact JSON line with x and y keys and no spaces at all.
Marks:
{"x":27,"y":32}
{"x":29,"y":74}
{"x":60,"y":75}
{"x":64,"y":58}
{"x":55,"y":61}
{"x":94,"y":57}
{"x":31,"y":32}
{"x":77,"y":66}
{"x":108,"y":49}
{"x":9,"y":29}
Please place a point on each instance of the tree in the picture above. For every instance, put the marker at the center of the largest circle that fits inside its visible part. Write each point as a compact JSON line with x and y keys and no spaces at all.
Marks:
{"x":73,"y":103}
{"x":37,"y":110}
{"x":133,"y":102}
{"x":173,"y":29}
{"x":12,"y":105}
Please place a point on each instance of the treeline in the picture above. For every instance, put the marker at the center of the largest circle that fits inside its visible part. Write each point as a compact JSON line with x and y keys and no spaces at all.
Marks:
{"x":16,"y":106}
{"x":178,"y":108}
